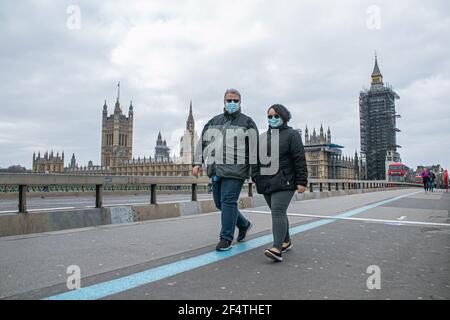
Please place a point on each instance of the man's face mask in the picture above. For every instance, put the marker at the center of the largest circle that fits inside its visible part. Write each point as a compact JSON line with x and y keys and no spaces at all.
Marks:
{"x":232,"y":105}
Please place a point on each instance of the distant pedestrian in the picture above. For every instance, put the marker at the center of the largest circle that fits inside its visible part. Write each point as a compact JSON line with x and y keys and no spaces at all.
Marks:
{"x":425,"y":179}
{"x":446,"y":180}
{"x":432,"y":181}
{"x":291,"y":176}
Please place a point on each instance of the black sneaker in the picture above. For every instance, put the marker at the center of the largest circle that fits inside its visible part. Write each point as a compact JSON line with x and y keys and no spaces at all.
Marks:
{"x":243,"y":233}
{"x":223,"y":245}
{"x":285,"y":249}
{"x":275,"y":256}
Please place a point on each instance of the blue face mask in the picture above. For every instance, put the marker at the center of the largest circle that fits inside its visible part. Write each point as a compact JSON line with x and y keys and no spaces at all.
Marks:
{"x":275,"y":122}
{"x":231,"y":107}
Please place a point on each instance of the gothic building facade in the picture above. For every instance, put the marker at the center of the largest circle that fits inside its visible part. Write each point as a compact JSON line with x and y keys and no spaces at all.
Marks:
{"x":49,"y":163}
{"x":378,"y":126}
{"x":325,"y":160}
{"x":90,"y":169}
{"x":117,"y":148}
{"x":162,"y":151}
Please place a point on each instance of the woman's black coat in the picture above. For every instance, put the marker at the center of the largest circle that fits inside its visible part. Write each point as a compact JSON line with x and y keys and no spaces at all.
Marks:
{"x":292,"y":163}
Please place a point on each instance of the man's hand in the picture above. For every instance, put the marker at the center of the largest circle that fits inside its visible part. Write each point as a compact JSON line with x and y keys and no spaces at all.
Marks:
{"x":196,"y":171}
{"x":301,"y":189}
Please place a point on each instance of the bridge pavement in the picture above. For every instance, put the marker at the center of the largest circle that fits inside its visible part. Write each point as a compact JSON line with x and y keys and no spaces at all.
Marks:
{"x":175,"y":258}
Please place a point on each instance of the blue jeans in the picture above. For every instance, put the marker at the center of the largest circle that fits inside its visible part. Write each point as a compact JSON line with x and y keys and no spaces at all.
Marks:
{"x":431,"y":185}
{"x":226,"y":193}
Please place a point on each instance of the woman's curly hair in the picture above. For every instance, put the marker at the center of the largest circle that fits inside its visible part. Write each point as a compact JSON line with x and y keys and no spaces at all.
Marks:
{"x":282,"y":111}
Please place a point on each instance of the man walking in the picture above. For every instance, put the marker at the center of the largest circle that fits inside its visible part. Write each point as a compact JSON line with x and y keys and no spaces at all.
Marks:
{"x":229,"y":172}
{"x":431,"y":181}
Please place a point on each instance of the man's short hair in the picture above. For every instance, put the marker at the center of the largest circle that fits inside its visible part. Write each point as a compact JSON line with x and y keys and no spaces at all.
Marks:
{"x":233,"y":91}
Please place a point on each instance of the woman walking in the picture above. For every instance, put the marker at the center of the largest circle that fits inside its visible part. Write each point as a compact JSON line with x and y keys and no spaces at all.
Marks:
{"x":292,"y":175}
{"x":426,"y":179}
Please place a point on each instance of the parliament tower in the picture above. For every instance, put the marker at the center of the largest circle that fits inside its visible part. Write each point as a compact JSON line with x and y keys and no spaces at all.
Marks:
{"x":117,"y":134}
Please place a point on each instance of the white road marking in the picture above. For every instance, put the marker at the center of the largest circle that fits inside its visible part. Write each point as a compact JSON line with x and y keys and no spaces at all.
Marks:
{"x":401,"y":218}
{"x":106,"y":205}
{"x":358,"y":219}
{"x":37,"y":210}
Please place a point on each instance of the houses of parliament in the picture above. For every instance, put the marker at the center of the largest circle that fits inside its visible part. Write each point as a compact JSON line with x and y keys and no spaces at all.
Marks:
{"x":324,"y":158}
{"x":117,"y":150}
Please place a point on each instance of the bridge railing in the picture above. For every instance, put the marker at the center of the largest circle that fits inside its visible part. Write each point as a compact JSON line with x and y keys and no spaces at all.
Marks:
{"x":25,"y":180}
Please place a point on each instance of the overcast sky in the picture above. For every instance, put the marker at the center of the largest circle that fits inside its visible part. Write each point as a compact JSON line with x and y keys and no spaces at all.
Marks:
{"x":312,"y":56}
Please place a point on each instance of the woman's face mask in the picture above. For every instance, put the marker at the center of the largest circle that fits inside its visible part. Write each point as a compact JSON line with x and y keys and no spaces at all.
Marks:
{"x":274,"y":120}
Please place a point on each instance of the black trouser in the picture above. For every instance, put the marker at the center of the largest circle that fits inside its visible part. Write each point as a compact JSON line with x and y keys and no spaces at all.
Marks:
{"x":278,"y":203}
{"x":426,"y":183}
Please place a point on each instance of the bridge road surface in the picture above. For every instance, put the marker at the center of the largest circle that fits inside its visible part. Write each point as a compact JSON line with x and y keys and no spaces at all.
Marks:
{"x":175,"y":258}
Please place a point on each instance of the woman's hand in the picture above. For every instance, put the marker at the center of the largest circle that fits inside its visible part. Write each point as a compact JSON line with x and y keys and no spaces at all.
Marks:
{"x":301,"y":189}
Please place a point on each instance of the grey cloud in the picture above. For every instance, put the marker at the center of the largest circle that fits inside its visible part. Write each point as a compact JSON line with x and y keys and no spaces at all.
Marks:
{"x":314,"y":57}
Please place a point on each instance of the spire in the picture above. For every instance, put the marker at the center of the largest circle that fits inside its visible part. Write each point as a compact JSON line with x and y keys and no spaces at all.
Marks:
{"x":117,"y":108}
{"x":105,"y":110}
{"x":377,"y":77}
{"x":190,"y":120}
{"x":159,"y":139}
{"x":376,"y":69}
{"x":118,"y":91}
{"x":130,"y":110}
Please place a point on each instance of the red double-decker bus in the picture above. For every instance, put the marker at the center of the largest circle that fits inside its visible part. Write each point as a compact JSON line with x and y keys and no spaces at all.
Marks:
{"x":397,"y":172}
